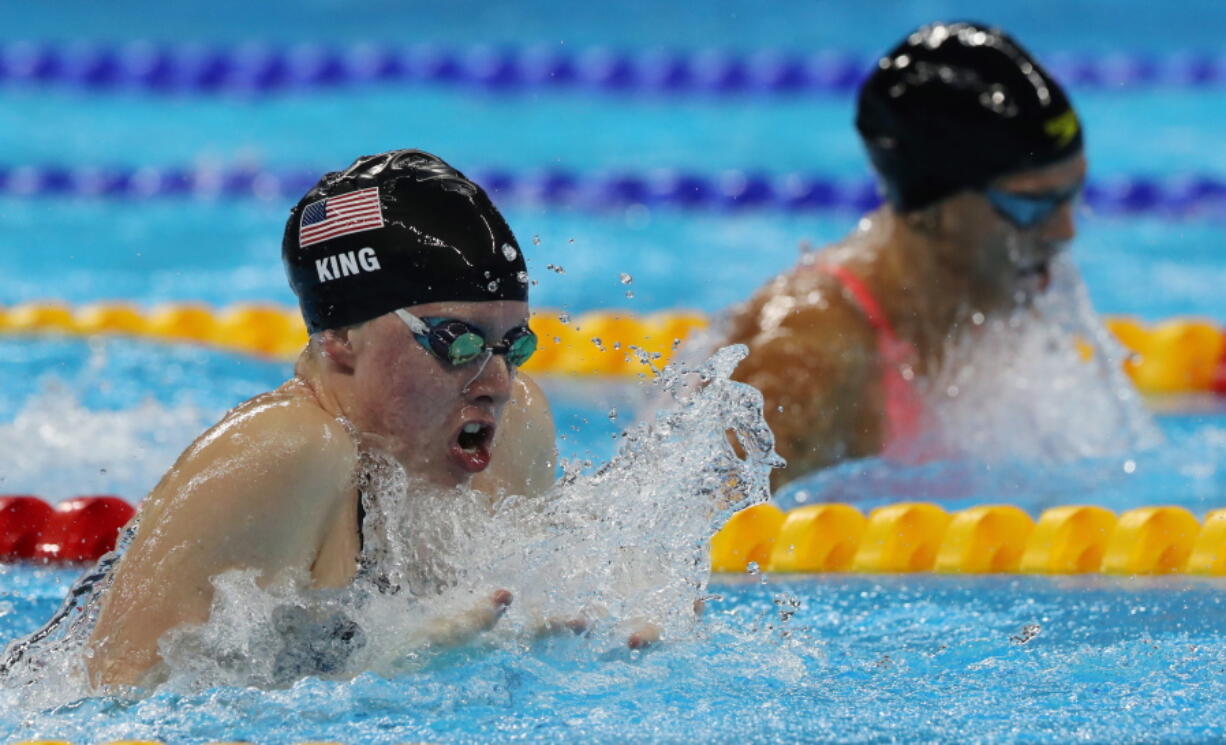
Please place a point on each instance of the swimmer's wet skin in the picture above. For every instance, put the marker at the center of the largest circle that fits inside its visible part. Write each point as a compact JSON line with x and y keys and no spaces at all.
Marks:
{"x":979,"y":155}
{"x":276,"y":486}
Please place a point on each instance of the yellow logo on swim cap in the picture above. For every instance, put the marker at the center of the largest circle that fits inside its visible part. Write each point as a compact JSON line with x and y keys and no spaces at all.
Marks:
{"x":1062,"y":128}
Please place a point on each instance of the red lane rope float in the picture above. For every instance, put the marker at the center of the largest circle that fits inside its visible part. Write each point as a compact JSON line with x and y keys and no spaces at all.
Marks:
{"x":74,"y":531}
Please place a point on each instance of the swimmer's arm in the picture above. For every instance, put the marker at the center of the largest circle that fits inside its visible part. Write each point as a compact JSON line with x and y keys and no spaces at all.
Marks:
{"x":255,"y":492}
{"x":814,"y":368}
{"x":525,"y":455}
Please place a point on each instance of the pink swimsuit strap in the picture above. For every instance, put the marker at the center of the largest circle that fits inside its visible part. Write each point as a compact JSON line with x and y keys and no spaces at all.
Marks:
{"x":863,"y":297}
{"x":903,"y":407}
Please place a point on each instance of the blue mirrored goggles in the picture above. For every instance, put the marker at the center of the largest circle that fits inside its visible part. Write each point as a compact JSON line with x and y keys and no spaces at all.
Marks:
{"x":1033,"y":209}
{"x":459,"y":342}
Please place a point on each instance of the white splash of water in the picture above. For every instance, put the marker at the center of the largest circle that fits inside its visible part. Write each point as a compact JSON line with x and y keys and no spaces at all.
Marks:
{"x":56,"y":448}
{"x":1020,"y":388}
{"x":610,"y":551}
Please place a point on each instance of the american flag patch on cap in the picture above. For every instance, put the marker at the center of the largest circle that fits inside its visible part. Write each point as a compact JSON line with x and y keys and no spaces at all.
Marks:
{"x":341,"y":215}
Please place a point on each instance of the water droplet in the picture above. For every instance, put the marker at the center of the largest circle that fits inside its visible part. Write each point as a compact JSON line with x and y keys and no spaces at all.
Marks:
{"x":599,"y":344}
{"x":492,"y":286}
{"x":629,"y":294}
{"x":1130,"y":466}
{"x":1027,"y":632}
{"x":977,"y":318}
{"x":564,"y":317}
{"x":536,"y":240}
{"x":612,"y":415}
{"x":510,"y":252}
{"x":522,"y":277}
{"x":557,"y":268}
{"x":625,"y":278}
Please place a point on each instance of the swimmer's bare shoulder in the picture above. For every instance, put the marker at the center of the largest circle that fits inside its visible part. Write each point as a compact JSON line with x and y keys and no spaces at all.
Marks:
{"x":257,"y":491}
{"x":813,"y":356}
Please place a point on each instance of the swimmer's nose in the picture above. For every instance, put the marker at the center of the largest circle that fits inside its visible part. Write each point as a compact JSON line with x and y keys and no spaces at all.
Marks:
{"x":493,"y":380}
{"x":1061,"y":226}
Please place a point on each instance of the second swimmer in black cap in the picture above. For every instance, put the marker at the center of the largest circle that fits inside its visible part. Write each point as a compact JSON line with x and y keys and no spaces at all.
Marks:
{"x":979,"y":155}
{"x":416,"y":296}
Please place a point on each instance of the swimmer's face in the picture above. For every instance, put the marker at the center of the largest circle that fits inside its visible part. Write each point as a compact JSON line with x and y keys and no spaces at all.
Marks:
{"x":1010,"y":262}
{"x":438,"y":420}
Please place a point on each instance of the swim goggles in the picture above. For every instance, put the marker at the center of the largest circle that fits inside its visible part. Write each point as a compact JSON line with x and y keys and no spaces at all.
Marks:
{"x":459,"y":342}
{"x":1030,"y":210}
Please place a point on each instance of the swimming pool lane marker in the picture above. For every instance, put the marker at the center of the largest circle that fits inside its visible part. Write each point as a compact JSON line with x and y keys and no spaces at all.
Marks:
{"x":988,"y":539}
{"x":898,"y":538}
{"x":259,"y":69}
{"x":74,"y":531}
{"x":1173,"y":356}
{"x":1176,"y":196}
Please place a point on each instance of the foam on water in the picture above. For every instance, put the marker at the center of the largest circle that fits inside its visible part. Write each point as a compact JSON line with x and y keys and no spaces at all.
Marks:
{"x":1020,"y":387}
{"x":613,"y":549}
{"x":838,"y":658}
{"x":57,"y":448}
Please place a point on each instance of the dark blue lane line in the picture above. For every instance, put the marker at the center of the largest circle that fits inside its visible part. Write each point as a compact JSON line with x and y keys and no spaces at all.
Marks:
{"x":1188,"y":195}
{"x":262,"y":69}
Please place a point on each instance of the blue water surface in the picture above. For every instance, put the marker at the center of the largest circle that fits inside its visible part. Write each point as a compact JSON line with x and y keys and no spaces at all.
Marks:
{"x":807,"y":659}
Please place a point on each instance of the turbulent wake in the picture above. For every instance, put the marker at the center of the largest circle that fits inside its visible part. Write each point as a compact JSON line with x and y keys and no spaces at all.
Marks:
{"x":604,"y":552}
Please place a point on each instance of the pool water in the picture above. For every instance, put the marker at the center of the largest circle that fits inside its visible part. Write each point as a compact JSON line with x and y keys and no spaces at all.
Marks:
{"x":829,"y":658}
{"x":832,"y":658}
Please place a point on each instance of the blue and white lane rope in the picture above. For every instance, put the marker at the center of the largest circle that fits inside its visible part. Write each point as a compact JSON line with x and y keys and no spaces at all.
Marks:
{"x":261,"y":69}
{"x":1176,"y":196}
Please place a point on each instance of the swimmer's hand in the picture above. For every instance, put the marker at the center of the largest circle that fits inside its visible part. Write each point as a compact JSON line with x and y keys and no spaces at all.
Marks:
{"x":642,"y":634}
{"x":645,"y":634}
{"x":457,"y":629}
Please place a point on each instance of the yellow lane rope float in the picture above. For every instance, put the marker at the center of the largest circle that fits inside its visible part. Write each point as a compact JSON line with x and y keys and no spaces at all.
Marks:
{"x":1174,"y":356}
{"x":988,"y":539}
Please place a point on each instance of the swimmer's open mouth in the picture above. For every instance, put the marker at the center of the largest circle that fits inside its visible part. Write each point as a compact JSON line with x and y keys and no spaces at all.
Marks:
{"x":1039,"y":273}
{"x":472,"y":445}
{"x":474,"y":435}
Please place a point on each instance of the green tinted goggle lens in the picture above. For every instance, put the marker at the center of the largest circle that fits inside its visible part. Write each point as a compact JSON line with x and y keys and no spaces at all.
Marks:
{"x":459,"y":342}
{"x":465,"y":348}
{"x":522,"y":349}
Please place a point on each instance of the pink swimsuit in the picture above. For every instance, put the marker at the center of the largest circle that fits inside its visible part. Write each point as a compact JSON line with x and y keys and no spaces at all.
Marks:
{"x":904,"y":409}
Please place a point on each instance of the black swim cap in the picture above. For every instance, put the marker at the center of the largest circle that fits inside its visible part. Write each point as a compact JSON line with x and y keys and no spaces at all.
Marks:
{"x":392,"y":230}
{"x":956,"y":105}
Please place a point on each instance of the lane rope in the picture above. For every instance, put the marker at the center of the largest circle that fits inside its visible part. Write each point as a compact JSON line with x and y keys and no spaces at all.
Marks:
{"x":262,"y":69}
{"x":987,"y":539}
{"x":831,"y":537}
{"x":1183,"y":355}
{"x":1184,"y":195}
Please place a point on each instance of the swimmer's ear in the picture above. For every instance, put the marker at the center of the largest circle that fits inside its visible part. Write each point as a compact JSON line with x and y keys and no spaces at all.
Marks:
{"x":338,"y":348}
